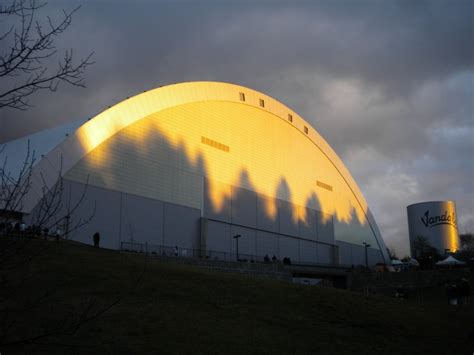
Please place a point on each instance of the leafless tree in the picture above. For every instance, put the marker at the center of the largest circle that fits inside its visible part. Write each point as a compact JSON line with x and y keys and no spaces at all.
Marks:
{"x":13,"y":188}
{"x":27,"y":50}
{"x":27,"y":46}
{"x":18,"y":259}
{"x":51,"y":211}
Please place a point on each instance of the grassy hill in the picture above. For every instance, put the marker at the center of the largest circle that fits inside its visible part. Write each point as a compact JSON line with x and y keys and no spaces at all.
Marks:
{"x":59,"y":297}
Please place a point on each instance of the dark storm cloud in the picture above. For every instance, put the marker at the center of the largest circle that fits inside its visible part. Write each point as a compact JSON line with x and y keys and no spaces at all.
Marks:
{"x":388,"y":84}
{"x":393,"y":45}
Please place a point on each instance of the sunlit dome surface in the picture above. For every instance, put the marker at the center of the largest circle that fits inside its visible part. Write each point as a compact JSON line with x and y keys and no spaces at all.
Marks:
{"x":220,"y":156}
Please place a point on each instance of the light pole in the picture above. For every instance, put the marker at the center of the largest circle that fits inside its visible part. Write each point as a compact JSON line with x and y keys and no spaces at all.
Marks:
{"x":236,"y":237}
{"x":366,"y":245}
{"x":66,"y":220}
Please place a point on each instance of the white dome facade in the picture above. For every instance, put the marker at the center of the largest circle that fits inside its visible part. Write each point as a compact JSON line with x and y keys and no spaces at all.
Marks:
{"x":192,"y":165}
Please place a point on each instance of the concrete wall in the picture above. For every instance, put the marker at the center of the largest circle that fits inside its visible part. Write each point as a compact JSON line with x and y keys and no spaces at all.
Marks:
{"x":124,"y":217}
{"x":282,"y":235}
{"x":244,"y":207}
{"x":248,"y":209}
{"x":141,"y":219}
{"x":351,"y":254}
{"x":103,"y":207}
{"x":268,"y":243}
{"x":257,"y":243}
{"x":121,"y":217}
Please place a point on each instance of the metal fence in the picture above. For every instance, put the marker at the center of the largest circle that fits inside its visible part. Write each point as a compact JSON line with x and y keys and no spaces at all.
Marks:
{"x":170,"y":251}
{"x":177,"y":252}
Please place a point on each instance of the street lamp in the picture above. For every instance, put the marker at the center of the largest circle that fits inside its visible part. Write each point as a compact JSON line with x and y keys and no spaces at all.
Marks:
{"x":236,"y":237}
{"x":366,"y":245}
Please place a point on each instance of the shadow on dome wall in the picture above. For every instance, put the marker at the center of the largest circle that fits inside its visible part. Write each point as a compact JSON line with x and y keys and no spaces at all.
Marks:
{"x":142,"y":160}
{"x":258,"y":140}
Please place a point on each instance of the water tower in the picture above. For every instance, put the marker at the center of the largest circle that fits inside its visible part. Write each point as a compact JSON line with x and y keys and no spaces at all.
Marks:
{"x":436,"y":221}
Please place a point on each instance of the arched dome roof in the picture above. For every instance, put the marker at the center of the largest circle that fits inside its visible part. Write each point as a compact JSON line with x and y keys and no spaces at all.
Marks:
{"x":105,"y":125}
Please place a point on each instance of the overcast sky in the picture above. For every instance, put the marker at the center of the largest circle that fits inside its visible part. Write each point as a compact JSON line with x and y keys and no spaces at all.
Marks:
{"x":389,"y":84}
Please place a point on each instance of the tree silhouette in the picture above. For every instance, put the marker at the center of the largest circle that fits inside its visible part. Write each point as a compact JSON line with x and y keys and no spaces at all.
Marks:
{"x":467,"y":241}
{"x":426,"y":255}
{"x":26,"y":48}
{"x":420,"y":246}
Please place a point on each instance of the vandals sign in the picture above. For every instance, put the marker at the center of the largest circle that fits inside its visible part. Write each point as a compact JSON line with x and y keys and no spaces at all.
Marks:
{"x":430,"y":220}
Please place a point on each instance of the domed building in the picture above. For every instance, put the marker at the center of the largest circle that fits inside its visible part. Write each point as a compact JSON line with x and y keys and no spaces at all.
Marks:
{"x":205,"y":167}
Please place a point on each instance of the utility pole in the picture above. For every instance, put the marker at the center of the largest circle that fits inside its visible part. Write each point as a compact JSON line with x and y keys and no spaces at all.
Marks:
{"x":366,"y":245}
{"x":236,"y":237}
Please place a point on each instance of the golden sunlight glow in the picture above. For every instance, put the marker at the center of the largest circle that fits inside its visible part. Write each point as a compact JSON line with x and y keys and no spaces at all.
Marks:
{"x":254,"y":150}
{"x":453,"y":240}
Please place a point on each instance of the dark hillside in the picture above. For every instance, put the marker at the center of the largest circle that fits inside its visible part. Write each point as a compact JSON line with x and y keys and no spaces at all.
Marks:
{"x":62,"y":297}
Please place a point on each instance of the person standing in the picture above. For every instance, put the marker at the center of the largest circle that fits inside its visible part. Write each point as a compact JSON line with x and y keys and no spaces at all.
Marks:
{"x":96,"y":239}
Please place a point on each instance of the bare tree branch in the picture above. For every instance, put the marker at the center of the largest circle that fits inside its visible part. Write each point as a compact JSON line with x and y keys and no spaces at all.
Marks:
{"x":50,"y":212}
{"x":14,"y":188}
{"x":25,"y":48}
